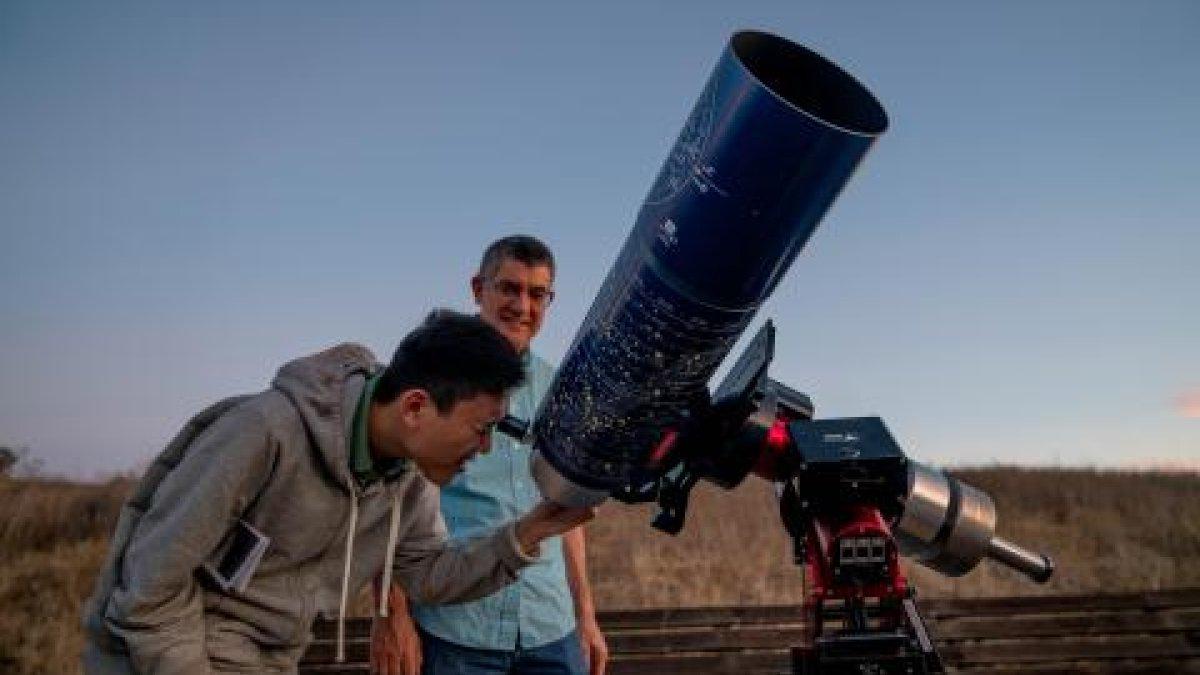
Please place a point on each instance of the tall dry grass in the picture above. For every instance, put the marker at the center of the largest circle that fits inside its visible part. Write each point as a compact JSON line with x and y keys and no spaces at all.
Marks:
{"x":53,"y":536}
{"x":1108,"y":531}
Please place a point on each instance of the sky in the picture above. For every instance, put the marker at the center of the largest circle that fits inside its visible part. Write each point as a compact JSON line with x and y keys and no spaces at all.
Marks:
{"x":193,"y":193}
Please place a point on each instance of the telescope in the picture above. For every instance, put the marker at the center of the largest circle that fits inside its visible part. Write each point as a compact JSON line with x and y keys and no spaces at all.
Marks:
{"x":775,"y":135}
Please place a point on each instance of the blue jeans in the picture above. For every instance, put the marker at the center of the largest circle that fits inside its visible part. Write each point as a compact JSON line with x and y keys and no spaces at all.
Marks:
{"x":561,"y":657}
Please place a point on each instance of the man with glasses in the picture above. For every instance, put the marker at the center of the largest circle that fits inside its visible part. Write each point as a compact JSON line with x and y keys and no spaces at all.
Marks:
{"x":545,"y":622}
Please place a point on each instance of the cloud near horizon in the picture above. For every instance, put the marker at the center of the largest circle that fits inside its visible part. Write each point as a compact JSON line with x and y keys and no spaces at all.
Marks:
{"x":1188,"y":404}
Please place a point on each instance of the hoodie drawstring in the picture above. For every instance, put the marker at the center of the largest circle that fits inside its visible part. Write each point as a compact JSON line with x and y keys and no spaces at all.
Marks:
{"x":341,"y":627}
{"x":393,"y":533}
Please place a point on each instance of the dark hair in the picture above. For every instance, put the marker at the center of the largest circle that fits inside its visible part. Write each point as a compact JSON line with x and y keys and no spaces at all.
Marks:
{"x":452,"y":356}
{"x":520,"y":247}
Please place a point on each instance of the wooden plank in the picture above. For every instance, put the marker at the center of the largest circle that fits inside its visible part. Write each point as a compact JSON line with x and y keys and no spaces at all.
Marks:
{"x":700,"y":616}
{"x":1058,"y":649}
{"x":665,"y":642}
{"x":950,"y":629}
{"x":989,"y":651}
{"x":776,"y":661}
{"x":932,"y":609}
{"x":1153,"y":666}
{"x":326,"y":629}
{"x":711,"y":617}
{"x":990,"y":628}
{"x":1079,"y":633}
{"x":706,"y":640}
{"x":779,"y":664}
{"x":666,"y":664}
{"x":1080,"y":624}
{"x":331,"y":669}
{"x":323,"y":651}
{"x":946,"y":607}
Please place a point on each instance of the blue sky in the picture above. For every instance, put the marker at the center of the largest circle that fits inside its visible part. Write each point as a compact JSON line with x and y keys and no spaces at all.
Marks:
{"x":192,"y":194}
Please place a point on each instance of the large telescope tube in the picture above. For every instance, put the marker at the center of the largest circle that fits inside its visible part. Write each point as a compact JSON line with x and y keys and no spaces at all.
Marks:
{"x":777,"y":132}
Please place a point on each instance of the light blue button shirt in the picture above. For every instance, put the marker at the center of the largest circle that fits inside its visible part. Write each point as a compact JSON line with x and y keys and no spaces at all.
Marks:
{"x":492,"y":490}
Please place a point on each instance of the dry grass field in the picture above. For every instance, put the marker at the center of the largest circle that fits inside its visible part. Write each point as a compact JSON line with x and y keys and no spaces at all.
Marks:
{"x":1109,"y":531}
{"x":53,"y":536}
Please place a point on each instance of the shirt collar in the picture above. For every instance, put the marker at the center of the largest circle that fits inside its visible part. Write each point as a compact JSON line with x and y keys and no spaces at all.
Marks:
{"x":363,"y":465}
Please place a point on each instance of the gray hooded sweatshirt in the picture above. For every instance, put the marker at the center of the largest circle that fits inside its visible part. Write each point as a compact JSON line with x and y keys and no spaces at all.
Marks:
{"x":278,"y":461}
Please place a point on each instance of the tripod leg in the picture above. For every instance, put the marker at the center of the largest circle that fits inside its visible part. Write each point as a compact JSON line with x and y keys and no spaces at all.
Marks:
{"x":933,"y":660}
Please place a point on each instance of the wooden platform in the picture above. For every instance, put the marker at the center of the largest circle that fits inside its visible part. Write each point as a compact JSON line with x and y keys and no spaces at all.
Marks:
{"x":1153,"y":632}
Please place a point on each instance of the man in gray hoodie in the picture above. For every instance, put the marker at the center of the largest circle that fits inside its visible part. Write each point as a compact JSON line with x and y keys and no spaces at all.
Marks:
{"x":334,"y":468}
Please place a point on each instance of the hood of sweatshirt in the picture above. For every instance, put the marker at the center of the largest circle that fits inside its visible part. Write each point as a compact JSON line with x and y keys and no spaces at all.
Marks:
{"x":325,"y":388}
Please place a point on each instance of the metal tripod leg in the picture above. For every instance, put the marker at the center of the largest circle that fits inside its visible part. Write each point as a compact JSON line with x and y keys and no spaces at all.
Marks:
{"x":933,"y":661}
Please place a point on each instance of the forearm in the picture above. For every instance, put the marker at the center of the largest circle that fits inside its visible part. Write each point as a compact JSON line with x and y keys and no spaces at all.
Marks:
{"x":444,"y":571}
{"x":437,"y":571}
{"x":575,"y":558}
{"x":595,"y":649}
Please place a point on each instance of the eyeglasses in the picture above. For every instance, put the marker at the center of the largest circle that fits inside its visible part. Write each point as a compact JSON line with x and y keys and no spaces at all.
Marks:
{"x":513,"y":290}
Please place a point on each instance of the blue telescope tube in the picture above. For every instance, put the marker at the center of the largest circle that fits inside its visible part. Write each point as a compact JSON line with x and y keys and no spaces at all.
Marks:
{"x":775,"y":135}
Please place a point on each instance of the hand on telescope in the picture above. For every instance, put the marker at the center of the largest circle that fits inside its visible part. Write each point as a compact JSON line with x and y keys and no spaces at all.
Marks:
{"x":548,"y":520}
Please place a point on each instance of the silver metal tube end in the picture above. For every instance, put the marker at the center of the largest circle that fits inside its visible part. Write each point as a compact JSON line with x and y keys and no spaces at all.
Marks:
{"x":1036,"y":566}
{"x":559,"y":489}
